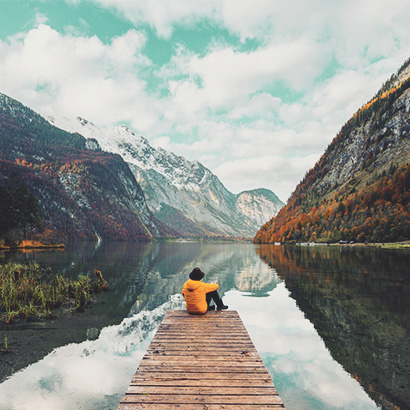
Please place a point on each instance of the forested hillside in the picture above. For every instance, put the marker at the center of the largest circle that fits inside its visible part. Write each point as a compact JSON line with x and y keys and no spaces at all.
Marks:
{"x":360,"y":188}
{"x":55,"y":189}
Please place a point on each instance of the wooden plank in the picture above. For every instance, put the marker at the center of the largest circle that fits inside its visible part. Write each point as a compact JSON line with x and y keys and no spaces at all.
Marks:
{"x":217,"y":347}
{"x":191,"y":399}
{"x":202,"y":375}
{"x":217,"y":332}
{"x":200,"y":369}
{"x":184,"y":315}
{"x":202,"y":336}
{"x":200,"y":390}
{"x":225,"y":339}
{"x":200,"y":356}
{"x":204,"y":382}
{"x":203,"y":362}
{"x":196,"y":406}
{"x":214,"y":361}
{"x":205,"y":343}
{"x":205,"y":353}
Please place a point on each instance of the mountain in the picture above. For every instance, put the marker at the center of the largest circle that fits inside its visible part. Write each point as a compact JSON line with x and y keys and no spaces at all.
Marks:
{"x":183,"y":194}
{"x":61,"y":187}
{"x":359,"y":190}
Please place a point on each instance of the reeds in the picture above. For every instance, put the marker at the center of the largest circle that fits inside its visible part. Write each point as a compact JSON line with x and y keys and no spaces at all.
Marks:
{"x":30,"y":292}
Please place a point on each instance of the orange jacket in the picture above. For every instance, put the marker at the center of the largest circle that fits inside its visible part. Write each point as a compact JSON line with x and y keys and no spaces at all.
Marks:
{"x":194,"y":292}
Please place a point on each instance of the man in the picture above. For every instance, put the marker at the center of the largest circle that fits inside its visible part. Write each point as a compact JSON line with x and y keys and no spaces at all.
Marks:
{"x":198,"y":295}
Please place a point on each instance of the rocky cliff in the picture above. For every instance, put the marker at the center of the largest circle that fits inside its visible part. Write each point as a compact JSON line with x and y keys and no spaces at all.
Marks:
{"x":359,"y":190}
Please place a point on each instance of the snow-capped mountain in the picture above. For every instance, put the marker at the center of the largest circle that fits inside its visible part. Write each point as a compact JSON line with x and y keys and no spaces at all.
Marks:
{"x":184,"y":194}
{"x":57,"y":187}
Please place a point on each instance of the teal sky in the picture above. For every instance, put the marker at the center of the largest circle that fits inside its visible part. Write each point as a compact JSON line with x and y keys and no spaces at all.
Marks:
{"x":253,"y":89}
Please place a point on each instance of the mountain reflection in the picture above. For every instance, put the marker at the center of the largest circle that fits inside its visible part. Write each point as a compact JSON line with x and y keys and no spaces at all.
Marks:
{"x":357,"y":299}
{"x":141,"y":277}
{"x":232,"y":266}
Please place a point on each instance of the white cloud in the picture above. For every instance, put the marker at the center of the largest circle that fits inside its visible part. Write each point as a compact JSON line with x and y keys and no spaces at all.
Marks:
{"x":358,"y":25}
{"x":162,"y":15}
{"x":224,"y":106}
{"x":270,"y":171}
{"x":260,"y":105}
{"x":66,"y":75}
{"x":228,"y":75}
{"x":40,"y":19}
{"x":125,"y":50}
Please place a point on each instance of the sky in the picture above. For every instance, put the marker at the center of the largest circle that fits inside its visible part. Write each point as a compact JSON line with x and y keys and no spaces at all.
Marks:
{"x":253,"y":89}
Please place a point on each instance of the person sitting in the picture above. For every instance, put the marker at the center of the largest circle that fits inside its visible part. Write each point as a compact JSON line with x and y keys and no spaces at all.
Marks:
{"x":198,"y":295}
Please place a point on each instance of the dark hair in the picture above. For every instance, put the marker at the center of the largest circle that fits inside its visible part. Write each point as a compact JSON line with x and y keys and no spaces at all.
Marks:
{"x":196,"y":274}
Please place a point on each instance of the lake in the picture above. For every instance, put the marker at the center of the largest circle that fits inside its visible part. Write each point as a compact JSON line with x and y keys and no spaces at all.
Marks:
{"x":330,"y":323}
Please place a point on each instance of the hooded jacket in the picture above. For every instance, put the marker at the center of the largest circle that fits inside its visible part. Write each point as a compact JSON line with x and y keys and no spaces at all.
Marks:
{"x":194,"y":292}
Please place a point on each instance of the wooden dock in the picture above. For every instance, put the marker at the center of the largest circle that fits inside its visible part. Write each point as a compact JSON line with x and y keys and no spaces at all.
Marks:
{"x":201,"y":362}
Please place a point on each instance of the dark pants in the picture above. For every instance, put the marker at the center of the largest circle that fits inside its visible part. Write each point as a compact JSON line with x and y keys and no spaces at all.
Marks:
{"x":214,"y":295}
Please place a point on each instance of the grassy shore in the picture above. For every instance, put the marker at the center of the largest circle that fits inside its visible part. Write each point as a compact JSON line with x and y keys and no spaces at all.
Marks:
{"x":30,"y":292}
{"x":29,"y":244}
{"x":384,"y":245}
{"x":394,"y":245}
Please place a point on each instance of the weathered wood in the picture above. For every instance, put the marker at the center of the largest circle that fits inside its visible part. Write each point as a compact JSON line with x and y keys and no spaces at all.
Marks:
{"x":203,"y":382}
{"x":202,"y":376}
{"x":210,"y":353}
{"x":200,"y":390}
{"x":200,"y":358}
{"x":203,"y":362}
{"x":205,"y":343}
{"x":211,"y":399}
{"x":198,"y":335}
{"x":162,"y":406}
{"x":200,"y":369}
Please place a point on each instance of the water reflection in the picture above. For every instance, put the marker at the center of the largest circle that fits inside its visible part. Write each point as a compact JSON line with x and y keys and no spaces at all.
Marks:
{"x":90,"y":375}
{"x":141,"y":276}
{"x":145,"y":280}
{"x":123,"y":267}
{"x":357,"y":299}
{"x":302,"y":369}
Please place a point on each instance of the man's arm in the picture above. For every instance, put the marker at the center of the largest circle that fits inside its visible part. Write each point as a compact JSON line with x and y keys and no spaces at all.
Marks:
{"x":210,"y":287}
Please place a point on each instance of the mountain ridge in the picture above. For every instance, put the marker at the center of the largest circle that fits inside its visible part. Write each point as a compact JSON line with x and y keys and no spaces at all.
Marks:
{"x":359,"y":188}
{"x":80,"y":193}
{"x":183,"y":194}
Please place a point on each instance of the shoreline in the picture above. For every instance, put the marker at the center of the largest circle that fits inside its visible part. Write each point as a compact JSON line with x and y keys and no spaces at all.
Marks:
{"x":28,"y":245}
{"x":31,"y":245}
{"x":380,"y":245}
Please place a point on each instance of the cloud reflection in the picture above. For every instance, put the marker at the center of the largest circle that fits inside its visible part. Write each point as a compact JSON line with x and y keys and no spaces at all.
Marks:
{"x":94,"y":374}
{"x":302,"y":369}
{"x":88,"y":375}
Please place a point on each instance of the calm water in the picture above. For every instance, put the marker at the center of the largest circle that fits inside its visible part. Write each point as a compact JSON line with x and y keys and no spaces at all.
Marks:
{"x":331,"y":324}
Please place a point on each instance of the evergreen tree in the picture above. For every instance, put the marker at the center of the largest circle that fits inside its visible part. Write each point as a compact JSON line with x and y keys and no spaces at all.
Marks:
{"x":18,"y":210}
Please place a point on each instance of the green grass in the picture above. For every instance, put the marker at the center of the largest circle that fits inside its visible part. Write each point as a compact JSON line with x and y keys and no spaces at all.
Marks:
{"x":396,"y":245}
{"x":29,"y":291}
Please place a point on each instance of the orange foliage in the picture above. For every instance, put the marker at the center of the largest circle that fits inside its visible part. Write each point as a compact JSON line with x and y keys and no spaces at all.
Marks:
{"x":379,"y":212}
{"x":384,"y":95}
